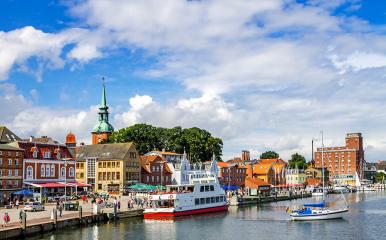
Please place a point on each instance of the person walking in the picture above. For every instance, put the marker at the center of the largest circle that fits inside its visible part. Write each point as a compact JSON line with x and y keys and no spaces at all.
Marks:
{"x":6,"y":219}
{"x":60,"y":210}
{"x":17,"y":203}
{"x":21,"y":215}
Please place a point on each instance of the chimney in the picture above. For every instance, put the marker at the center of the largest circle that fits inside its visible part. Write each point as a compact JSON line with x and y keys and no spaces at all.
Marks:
{"x":31,"y":138}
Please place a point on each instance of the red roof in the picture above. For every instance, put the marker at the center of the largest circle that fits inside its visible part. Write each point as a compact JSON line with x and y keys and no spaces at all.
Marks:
{"x":254,"y":183}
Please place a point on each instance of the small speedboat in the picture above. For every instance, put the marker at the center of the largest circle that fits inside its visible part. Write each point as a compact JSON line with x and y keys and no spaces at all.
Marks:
{"x":340,"y":189}
{"x":318,"y":192}
{"x":317,"y":211}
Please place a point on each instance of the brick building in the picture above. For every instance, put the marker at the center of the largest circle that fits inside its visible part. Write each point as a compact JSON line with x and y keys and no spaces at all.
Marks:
{"x":155,"y":171}
{"x":11,"y":174}
{"x":47,"y":166}
{"x":232,"y":174}
{"x":345,"y":162}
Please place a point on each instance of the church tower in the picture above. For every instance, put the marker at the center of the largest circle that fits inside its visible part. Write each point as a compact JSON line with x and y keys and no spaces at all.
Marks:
{"x":103,"y":128}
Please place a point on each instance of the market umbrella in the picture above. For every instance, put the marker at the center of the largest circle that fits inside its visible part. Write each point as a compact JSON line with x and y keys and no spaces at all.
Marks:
{"x":24,"y":192}
{"x":160,"y":187}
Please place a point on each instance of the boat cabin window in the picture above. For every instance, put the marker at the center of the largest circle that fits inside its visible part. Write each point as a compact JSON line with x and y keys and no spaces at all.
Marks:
{"x":207,"y":189}
{"x":201,"y":188}
{"x":211,"y":188}
{"x":217,"y":199}
{"x":207,"y":200}
{"x":197,"y":201}
{"x":221,"y":198}
{"x":212,"y":200}
{"x":202,"y":200}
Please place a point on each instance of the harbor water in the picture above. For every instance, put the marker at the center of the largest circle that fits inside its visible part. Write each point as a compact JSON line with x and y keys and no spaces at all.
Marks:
{"x":365,"y":220}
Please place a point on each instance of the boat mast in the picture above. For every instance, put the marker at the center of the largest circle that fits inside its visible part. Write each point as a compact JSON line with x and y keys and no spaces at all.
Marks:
{"x":323,"y":166}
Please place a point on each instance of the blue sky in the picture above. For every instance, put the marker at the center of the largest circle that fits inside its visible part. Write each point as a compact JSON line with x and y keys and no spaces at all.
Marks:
{"x":260,"y":74}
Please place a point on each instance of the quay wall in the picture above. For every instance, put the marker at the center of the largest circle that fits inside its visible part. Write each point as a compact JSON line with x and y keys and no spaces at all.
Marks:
{"x":48,"y":226}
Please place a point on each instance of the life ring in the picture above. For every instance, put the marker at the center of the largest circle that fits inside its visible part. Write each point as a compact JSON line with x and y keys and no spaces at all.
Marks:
{"x":171,"y":197}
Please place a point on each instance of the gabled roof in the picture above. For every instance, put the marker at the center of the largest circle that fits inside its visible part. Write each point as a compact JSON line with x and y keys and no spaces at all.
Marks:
{"x":7,"y":136}
{"x":163,"y":153}
{"x":109,"y":151}
{"x":146,"y":160}
{"x":262,"y":168}
{"x":223,"y":164}
{"x":255,"y":183}
{"x":10,"y":147}
{"x":273,"y":160}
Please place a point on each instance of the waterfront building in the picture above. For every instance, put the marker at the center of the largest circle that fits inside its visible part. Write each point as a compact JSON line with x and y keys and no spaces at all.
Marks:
{"x":381,"y":165}
{"x":170,"y":157}
{"x":7,"y":136}
{"x":344,"y":163}
{"x":232,"y":174}
{"x":370,"y":171}
{"x":155,"y":170}
{"x":268,"y":170}
{"x":11,"y":174}
{"x":256,"y":186}
{"x":295,"y":177}
{"x":316,"y":174}
{"x":48,"y":166}
{"x":103,"y":128}
{"x":108,"y":168}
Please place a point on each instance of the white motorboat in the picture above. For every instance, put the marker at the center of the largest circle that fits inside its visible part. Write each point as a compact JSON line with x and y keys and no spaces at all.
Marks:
{"x":340,"y":189}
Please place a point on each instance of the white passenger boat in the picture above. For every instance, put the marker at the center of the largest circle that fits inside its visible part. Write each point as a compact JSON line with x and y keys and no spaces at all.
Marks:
{"x":198,"y":191}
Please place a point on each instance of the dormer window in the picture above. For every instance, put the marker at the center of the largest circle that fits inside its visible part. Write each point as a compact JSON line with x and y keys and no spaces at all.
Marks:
{"x":35,"y":154}
{"x":47,"y":154}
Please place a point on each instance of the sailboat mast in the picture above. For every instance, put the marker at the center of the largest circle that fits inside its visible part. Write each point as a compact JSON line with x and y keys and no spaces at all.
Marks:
{"x":323,"y":165}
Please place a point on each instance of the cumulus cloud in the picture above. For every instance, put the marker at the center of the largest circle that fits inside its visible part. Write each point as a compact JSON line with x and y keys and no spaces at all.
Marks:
{"x":264,"y":74}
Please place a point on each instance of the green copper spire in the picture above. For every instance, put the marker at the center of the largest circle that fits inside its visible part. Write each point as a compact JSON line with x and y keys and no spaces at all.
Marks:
{"x":103,"y":124}
{"x":103,"y":102}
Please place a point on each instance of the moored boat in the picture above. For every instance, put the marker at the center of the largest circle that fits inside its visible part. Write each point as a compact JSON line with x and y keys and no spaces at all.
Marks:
{"x":196,"y":192}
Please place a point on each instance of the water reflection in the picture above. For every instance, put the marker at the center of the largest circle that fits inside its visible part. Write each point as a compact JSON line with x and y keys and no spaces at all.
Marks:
{"x":266,"y":221}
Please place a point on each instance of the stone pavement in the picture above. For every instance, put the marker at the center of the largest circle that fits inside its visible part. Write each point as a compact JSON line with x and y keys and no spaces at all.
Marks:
{"x":45,"y":216}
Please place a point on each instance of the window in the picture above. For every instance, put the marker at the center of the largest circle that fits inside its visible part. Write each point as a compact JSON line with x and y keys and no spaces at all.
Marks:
{"x":16,"y":172}
{"x":52,"y":170}
{"x":109,"y":176}
{"x":196,"y":201}
{"x":58,"y":155}
{"x":118,"y":175}
{"x":109,"y":164}
{"x":43,"y":170}
{"x":202,"y":200}
{"x":62,"y":172}
{"x":201,"y":188}
{"x":152,"y":178}
{"x":207,"y":200}
{"x":104,"y":175}
{"x":9,"y":172}
{"x":132,"y":154}
{"x":211,"y":188}
{"x":113,"y":176}
{"x":35,"y":154}
{"x":207,"y":189}
{"x":47,"y":154}
{"x":217,"y":199}
{"x":212,"y":199}
{"x":104,"y":164}
{"x":29,"y":172}
{"x":147,"y":179}
{"x":99,"y":165}
{"x":81,"y":175}
{"x":48,"y":171}
{"x":113,"y":164}
{"x":99,"y":176}
{"x":221,"y":198}
{"x":118,"y":164}
{"x":9,"y":162}
{"x":71,"y":172}
{"x":99,"y":186}
{"x":16,"y":162}
{"x":17,"y":154}
{"x":1,"y":153}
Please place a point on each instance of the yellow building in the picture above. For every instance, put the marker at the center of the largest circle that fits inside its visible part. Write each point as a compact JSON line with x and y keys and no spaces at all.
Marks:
{"x":295,"y":176}
{"x":109,"y":168}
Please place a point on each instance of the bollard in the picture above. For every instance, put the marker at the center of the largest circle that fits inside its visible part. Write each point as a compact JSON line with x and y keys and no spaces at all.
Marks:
{"x":115,"y":211}
{"x":55,"y":211}
{"x":24,"y":220}
{"x":80,"y":212}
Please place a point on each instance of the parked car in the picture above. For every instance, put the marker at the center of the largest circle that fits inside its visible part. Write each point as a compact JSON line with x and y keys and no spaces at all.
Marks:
{"x":33,"y":207}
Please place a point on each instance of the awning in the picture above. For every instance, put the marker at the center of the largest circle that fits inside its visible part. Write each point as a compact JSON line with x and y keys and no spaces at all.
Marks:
{"x":48,"y":185}
{"x":78,"y":184}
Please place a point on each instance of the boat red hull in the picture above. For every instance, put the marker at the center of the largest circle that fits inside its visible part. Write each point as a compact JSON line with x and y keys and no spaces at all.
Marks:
{"x":161,"y":215}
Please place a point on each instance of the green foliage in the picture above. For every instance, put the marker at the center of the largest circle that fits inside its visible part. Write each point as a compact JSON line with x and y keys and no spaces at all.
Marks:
{"x":269,"y":155}
{"x":380,"y":177}
{"x":298,"y":161}
{"x":198,"y":143}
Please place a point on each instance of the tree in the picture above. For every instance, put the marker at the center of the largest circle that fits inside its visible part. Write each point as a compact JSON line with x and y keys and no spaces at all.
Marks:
{"x":298,"y":161}
{"x":198,"y":143}
{"x":380,"y":177}
{"x":269,"y":155}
